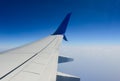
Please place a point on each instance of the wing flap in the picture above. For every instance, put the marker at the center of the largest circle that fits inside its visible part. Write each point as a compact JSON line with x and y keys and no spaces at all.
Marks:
{"x":66,"y":77}
{"x":63,"y":59}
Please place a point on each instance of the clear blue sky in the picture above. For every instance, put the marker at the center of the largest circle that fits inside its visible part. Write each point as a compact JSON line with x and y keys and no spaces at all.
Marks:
{"x":92,"y":21}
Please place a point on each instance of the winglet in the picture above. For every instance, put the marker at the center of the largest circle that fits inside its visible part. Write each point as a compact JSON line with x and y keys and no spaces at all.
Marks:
{"x":63,"y":26}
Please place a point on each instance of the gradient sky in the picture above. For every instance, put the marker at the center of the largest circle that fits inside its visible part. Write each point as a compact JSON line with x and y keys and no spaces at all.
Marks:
{"x":93,"y":23}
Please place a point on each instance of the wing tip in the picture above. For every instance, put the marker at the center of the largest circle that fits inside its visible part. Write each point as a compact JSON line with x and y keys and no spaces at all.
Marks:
{"x":63,"y":26}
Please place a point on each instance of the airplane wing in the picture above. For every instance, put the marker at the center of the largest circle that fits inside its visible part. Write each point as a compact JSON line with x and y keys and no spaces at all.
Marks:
{"x":36,"y":61}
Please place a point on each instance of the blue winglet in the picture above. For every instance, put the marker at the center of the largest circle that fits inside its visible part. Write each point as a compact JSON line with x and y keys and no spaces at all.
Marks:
{"x":63,"y":26}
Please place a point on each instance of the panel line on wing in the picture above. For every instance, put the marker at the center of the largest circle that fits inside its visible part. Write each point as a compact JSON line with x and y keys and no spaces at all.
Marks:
{"x":32,"y":67}
{"x":27,"y":60}
{"x":32,"y":72}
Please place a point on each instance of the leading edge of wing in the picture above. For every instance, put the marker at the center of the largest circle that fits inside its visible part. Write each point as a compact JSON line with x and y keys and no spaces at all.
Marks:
{"x":63,"y":26}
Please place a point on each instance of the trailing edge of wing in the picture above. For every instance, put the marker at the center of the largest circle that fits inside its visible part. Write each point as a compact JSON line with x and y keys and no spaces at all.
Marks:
{"x":63,"y":26}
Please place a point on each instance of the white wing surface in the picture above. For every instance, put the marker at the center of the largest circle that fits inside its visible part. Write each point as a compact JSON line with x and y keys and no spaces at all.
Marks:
{"x":33,"y":62}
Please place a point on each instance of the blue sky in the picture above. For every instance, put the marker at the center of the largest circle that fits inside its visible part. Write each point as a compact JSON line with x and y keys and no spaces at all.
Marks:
{"x":92,"y":21}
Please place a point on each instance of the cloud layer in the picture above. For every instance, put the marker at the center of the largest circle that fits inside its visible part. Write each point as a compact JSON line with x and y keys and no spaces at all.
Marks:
{"x":93,"y":63}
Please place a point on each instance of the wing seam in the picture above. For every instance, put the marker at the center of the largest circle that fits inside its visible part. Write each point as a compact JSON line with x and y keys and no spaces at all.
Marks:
{"x":26,"y":60}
